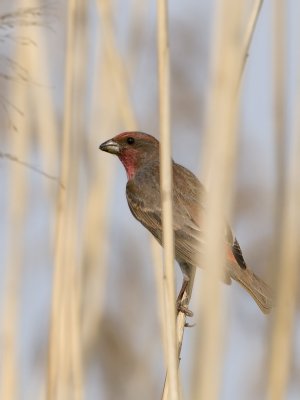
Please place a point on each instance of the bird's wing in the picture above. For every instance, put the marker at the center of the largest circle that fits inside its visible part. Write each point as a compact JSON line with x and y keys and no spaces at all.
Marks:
{"x":188,"y":213}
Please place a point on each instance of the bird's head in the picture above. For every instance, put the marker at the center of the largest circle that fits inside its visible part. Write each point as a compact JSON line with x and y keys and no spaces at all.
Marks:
{"x":134,"y":149}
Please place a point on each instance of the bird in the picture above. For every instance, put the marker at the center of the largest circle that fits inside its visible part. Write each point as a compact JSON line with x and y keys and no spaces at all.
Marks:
{"x":139,"y":154}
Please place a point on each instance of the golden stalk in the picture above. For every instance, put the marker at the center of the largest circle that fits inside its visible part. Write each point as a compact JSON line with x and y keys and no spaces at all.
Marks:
{"x":20,"y":141}
{"x":288,"y":236}
{"x":288,"y":278}
{"x":250,"y":28}
{"x":279,"y":110}
{"x":116,"y":64}
{"x":64,"y":367}
{"x":139,"y":12}
{"x":17,"y":192}
{"x":156,"y":251}
{"x":180,"y":327}
{"x":43,"y":102}
{"x":166,"y":198}
{"x":18,"y":186}
{"x":219,"y":162}
{"x":96,"y":246}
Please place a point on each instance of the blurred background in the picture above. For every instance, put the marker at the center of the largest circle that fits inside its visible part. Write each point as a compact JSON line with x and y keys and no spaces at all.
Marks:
{"x":94,"y":81}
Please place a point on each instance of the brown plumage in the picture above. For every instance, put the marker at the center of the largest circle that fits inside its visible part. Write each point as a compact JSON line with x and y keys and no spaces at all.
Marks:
{"x":139,"y":154}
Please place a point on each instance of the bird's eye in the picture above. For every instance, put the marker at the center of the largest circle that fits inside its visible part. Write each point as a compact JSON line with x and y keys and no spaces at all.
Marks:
{"x":130,"y":140}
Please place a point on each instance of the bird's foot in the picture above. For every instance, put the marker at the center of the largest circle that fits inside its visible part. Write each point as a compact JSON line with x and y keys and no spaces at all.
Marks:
{"x":184,"y":309}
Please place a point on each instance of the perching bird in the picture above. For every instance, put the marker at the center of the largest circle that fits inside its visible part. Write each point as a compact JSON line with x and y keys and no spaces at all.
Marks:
{"x":139,"y":153}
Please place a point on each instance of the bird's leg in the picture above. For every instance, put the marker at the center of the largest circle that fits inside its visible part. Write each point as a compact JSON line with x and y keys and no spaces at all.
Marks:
{"x":184,"y":285}
{"x":179,"y":304}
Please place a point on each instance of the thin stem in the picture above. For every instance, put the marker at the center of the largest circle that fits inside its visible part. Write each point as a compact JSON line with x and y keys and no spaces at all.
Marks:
{"x":166,"y":197}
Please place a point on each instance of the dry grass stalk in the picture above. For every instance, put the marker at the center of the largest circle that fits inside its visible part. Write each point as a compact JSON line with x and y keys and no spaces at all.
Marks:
{"x":279,"y":110}
{"x":24,"y":17}
{"x":288,"y":235}
{"x":288,"y":278}
{"x":159,"y":276}
{"x":13,"y":30}
{"x":139,"y":12}
{"x":166,"y":197}
{"x":250,"y":28}
{"x":219,"y":163}
{"x":96,"y":246}
{"x":24,"y":64}
{"x":180,"y":327}
{"x":116,"y":64}
{"x":28,"y":165}
{"x":64,"y":367}
{"x":44,"y":104}
{"x":18,"y":186}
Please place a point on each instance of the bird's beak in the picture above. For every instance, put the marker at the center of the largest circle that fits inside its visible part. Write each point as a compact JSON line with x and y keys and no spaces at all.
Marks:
{"x":110,"y":147}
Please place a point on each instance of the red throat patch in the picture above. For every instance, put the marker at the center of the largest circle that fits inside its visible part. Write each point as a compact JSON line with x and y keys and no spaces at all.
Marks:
{"x":129,"y":160}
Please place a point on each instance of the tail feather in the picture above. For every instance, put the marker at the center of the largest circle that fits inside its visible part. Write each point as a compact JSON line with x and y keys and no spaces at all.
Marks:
{"x":256,"y":287}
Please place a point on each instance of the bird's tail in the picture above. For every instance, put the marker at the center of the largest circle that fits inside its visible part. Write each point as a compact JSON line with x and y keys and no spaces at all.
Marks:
{"x":256,"y":287}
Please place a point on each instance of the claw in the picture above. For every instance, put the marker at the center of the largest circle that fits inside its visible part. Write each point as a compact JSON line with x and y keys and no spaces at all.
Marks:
{"x":184,"y":310}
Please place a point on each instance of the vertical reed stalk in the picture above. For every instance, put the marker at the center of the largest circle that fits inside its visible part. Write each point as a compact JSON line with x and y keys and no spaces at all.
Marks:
{"x":249,"y":31}
{"x":180,"y":327}
{"x":166,"y":197}
{"x":44,"y":104}
{"x":64,"y":367}
{"x":116,"y":64}
{"x":96,"y":224}
{"x":288,"y":275}
{"x":18,"y":188}
{"x":288,"y":217}
{"x":219,"y":162}
{"x":279,"y":110}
